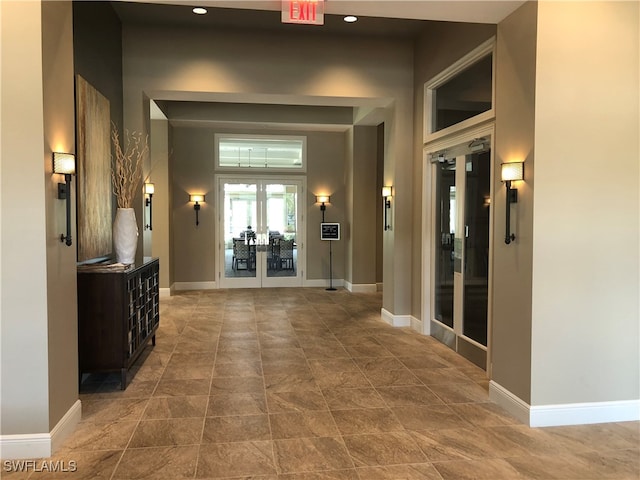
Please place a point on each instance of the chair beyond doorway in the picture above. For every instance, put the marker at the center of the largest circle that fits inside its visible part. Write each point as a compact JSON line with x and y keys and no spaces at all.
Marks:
{"x":241,"y":254}
{"x":286,"y":254}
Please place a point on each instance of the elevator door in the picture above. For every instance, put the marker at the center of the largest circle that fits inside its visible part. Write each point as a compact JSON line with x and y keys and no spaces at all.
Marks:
{"x":461,"y":284}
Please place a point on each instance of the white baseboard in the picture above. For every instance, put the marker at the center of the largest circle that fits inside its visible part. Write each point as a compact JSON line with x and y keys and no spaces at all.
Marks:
{"x":379,"y":286}
{"x":41,"y":445}
{"x":416,"y":324}
{"x":324,"y":283}
{"x":395,"y":320}
{"x":564,"y":414}
{"x":584,"y":413}
{"x":360,"y":287}
{"x":510,"y":402}
{"x":181,"y":286}
{"x":165,"y":292}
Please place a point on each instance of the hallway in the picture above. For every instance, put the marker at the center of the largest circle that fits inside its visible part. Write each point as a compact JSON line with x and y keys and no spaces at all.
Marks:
{"x":305,"y":384}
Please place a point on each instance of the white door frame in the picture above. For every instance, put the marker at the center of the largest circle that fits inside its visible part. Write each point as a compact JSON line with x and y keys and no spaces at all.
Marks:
{"x":261,"y":280}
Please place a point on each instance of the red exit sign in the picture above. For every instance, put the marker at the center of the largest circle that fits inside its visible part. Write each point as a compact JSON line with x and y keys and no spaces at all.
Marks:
{"x":310,"y":12}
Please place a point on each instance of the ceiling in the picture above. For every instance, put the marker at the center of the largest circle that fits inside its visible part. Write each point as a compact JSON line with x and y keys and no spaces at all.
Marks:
{"x":399,"y":19}
{"x":262,"y":20}
{"x":474,"y":11}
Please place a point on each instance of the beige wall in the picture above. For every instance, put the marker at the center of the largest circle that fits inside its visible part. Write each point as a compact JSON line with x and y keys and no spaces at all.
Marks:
{"x":366,"y":197}
{"x":38,"y":312}
{"x":227,"y":66}
{"x":25,"y":399}
{"x":514,"y":141}
{"x":157,"y":240}
{"x":59,"y":135}
{"x":585,"y":290}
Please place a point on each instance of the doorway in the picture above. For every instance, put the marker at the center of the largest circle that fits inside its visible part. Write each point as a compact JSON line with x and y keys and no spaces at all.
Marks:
{"x":461,"y":205}
{"x":261,"y":234}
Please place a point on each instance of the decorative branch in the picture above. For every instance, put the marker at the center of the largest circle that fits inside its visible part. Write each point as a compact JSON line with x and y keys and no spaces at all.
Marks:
{"x":126,"y":171}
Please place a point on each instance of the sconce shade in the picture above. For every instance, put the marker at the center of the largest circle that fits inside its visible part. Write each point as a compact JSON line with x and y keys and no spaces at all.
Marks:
{"x":512,"y":171}
{"x":149,"y":188}
{"x":323,"y":198}
{"x":196,"y":198}
{"x":386,"y":191}
{"x":64,"y":163}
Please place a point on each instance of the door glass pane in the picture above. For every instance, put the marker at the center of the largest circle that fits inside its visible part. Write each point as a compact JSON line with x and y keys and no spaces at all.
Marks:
{"x":445,"y":234}
{"x":476,"y":269}
{"x":282,"y":227}
{"x":240,"y":217}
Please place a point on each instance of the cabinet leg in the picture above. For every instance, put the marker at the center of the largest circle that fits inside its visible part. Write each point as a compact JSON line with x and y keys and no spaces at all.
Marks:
{"x":123,"y":378}
{"x":153,"y":340}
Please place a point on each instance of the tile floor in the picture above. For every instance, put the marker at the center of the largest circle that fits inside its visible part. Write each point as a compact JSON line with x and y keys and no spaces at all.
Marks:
{"x":305,"y":384}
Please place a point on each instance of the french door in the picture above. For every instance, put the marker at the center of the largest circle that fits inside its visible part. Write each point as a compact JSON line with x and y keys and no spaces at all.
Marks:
{"x":460,"y":296}
{"x":260,"y":234}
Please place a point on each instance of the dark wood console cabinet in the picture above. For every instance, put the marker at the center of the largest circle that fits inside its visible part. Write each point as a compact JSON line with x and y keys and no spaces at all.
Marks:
{"x":118,"y":312}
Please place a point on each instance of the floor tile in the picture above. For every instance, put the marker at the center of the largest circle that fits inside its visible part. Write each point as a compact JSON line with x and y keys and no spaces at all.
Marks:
{"x":236,"y":429}
{"x":384,"y":449}
{"x":416,"y":471}
{"x":116,"y":410}
{"x":349,"y":398}
{"x":169,"y":432}
{"x":484,"y":414}
{"x":342,"y":380}
{"x":240,"y":459}
{"x":176,"y":462}
{"x":302,"y":424}
{"x":176,"y":407}
{"x":430,"y":417}
{"x":221,"y":385}
{"x":103,"y":436}
{"x":236,"y":404}
{"x":391,"y":378}
{"x":486,"y":469}
{"x":461,"y":393}
{"x":291,"y":382}
{"x":241,"y":368}
{"x":465,"y":444}
{"x":366,"y":420}
{"x":311,"y":454}
{"x":350,"y":474}
{"x":298,"y":401}
{"x":408,"y":395}
{"x":182,"y":387}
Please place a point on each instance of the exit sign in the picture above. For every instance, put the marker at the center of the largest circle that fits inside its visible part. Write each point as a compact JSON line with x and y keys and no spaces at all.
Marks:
{"x":310,"y":12}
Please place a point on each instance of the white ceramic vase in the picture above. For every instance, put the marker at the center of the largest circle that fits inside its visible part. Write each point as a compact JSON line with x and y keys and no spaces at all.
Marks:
{"x":125,"y":235}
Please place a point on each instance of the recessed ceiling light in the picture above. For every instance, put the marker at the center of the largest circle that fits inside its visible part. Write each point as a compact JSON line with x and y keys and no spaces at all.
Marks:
{"x":199,"y":10}
{"x":350,"y":19}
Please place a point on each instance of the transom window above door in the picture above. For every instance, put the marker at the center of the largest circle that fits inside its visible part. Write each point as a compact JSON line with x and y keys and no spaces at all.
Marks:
{"x":260,"y":152}
{"x":460,"y":96}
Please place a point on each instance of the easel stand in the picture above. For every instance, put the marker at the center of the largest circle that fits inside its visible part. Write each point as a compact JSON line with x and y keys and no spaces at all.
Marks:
{"x":330,"y":268}
{"x":322,"y":208}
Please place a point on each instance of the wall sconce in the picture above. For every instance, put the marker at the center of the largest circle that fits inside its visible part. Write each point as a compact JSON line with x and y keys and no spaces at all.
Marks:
{"x":322,"y":199}
{"x":196,"y":199}
{"x":386,"y":195}
{"x":65,"y":164}
{"x":511,"y":172}
{"x":149,"y":189}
